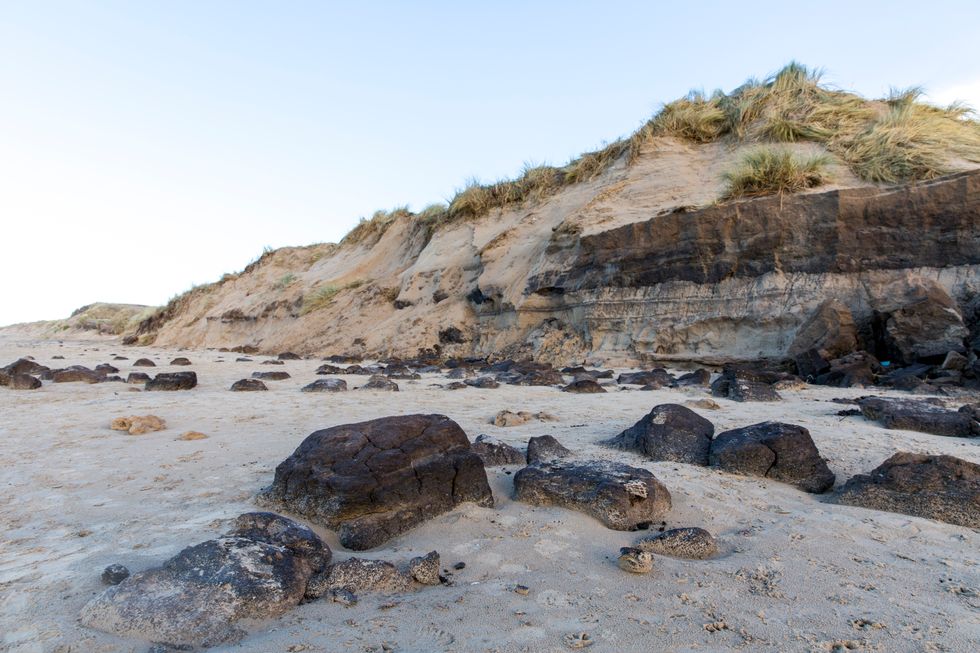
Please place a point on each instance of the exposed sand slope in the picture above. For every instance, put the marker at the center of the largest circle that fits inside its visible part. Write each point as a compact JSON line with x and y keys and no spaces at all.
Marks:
{"x":798,"y":574}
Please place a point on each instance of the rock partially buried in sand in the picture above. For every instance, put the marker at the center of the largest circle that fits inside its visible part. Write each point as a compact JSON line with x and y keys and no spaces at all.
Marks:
{"x":380,"y":382}
{"x":271,"y":376}
{"x":584,"y":386}
{"x":75,"y":374}
{"x":359,"y":576}
{"x":137,"y":424}
{"x":782,"y":452}
{"x":374,"y":480}
{"x":180,"y":360}
{"x":731,"y":387}
{"x":509,"y":418}
{"x":171,"y":381}
{"x":494,"y":453}
{"x":635,"y":561}
{"x":919,"y":416}
{"x":425,"y":569}
{"x":248,"y":385}
{"x":544,"y":448}
{"x":483,"y":382}
{"x":144,"y":362}
{"x":943,"y":488}
{"x":621,"y":497}
{"x":704,"y":404}
{"x":669,"y":432}
{"x":137,"y":377}
{"x":259,"y":569}
{"x":114,"y":574}
{"x":192,"y":435}
{"x":24,"y":366}
{"x":692,"y":543}
{"x":23,"y":382}
{"x":326,"y":385}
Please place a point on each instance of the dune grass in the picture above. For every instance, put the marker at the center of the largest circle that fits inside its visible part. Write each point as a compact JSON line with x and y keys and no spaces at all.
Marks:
{"x":323,"y":295}
{"x":768,"y":170}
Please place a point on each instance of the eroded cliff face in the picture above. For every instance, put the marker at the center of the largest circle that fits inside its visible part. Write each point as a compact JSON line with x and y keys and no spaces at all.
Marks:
{"x":616,"y":269}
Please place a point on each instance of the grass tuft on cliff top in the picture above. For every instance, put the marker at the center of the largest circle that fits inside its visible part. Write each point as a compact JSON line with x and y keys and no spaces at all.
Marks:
{"x":769,"y":170}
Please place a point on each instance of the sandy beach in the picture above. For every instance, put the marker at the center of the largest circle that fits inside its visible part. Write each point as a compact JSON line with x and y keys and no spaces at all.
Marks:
{"x":795,"y":574}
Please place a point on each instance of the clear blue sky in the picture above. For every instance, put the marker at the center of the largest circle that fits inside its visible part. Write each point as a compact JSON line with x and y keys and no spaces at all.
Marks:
{"x":148,"y":146}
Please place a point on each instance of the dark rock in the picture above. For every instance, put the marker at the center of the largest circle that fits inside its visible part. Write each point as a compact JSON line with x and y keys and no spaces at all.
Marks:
{"x":943,"y":488}
{"x":114,"y":574}
{"x":326,"y":385}
{"x":144,"y":362}
{"x":669,"y":432}
{"x":75,"y":374}
{"x":345,"y":598}
{"x":699,"y":377}
{"x":955,"y":361}
{"x":539,"y":377}
{"x":327,"y":368}
{"x":483,"y":382}
{"x":180,"y":360}
{"x":920,"y":416}
{"x":137,"y":377}
{"x":198,"y":597}
{"x":691,"y":543}
{"x":782,"y":452}
{"x":494,"y":453}
{"x":379,"y":382}
{"x":731,"y":387}
{"x":23,"y":382}
{"x":243,"y":359}
{"x":271,"y":376}
{"x":459,"y":373}
{"x":451,"y":335}
{"x":621,"y":497}
{"x":105,"y":368}
{"x":24,"y":366}
{"x":544,"y":448}
{"x":928,"y":325}
{"x":810,"y":364}
{"x":584,"y":386}
{"x":456,"y":385}
{"x":357,"y":369}
{"x":906,"y":378}
{"x":374,"y":480}
{"x":830,"y":332}
{"x":659,"y":378}
{"x":248,"y":385}
{"x":359,"y":576}
{"x":289,"y":356}
{"x":859,"y":369}
{"x":272,"y":362}
{"x":425,"y":569}
{"x":172,"y":381}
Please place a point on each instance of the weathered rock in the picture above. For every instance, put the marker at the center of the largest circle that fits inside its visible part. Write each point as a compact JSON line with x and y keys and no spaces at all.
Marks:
{"x":731,"y":387}
{"x":75,"y":374}
{"x":198,"y":597}
{"x":425,"y":569}
{"x":4,"y":378}
{"x":143,"y":362}
{"x":509,"y":418}
{"x":544,"y":448}
{"x":955,"y":361}
{"x":114,"y":574}
{"x":326,"y":385}
{"x":927,"y":325}
{"x":357,"y":369}
{"x":699,"y":377}
{"x":669,"y":432}
{"x":379,"y":382}
{"x":138,"y":424}
{"x":635,"y":561}
{"x":180,"y":360}
{"x":704,"y":404}
{"x":943,"y":488}
{"x":922,"y":416}
{"x":104,"y":368}
{"x":621,"y":497}
{"x":584,"y":386}
{"x":658,"y":377}
{"x":272,"y":362}
{"x":248,"y":385}
{"x":326,"y":368}
{"x":172,"y":381}
{"x":359,"y":576}
{"x":830,"y":331}
{"x":23,"y":382}
{"x":782,"y":452}
{"x":289,"y":356}
{"x":455,"y":385}
{"x":810,"y":364}
{"x":484,"y":382}
{"x":271,"y":376}
{"x":693,"y":543}
{"x":24,"y":366}
{"x":859,"y":369}
{"x":374,"y":480}
{"x":494,"y":453}
{"x":137,"y":377}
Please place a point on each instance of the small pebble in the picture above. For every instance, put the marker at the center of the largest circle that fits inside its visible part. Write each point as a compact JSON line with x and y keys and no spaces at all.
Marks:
{"x":523,"y":590}
{"x":459,"y":565}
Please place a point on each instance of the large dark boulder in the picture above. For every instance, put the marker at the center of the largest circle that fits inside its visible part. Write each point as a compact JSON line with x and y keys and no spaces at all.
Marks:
{"x":172,"y":381}
{"x":943,"y":488}
{"x":543,"y":448}
{"x":731,"y":386}
{"x":137,"y":377}
{"x":24,"y":366}
{"x":829,"y":331}
{"x":623,"y":498}
{"x":380,"y":382}
{"x":699,"y":377}
{"x":669,"y":432}
{"x":923,"y":416}
{"x":327,"y":368}
{"x":782,"y":452}
{"x":925,"y":326}
{"x":373,"y":480}
{"x":259,"y":569}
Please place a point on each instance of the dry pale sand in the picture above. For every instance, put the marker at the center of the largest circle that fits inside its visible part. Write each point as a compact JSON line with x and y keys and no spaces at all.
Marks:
{"x":798,"y":574}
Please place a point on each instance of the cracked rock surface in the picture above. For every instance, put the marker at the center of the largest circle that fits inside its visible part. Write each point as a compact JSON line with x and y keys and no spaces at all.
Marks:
{"x":374,"y":480}
{"x":782,"y":452}
{"x":669,"y":432}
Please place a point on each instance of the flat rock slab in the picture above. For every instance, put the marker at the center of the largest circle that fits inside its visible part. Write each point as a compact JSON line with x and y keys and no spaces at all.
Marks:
{"x":922,"y":416}
{"x":260,"y":569}
{"x":782,"y":452}
{"x":374,"y":480}
{"x":669,"y":432}
{"x":623,"y":498}
{"x":943,"y":488}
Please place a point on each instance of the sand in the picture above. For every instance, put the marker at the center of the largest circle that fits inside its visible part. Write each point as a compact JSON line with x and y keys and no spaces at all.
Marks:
{"x":796,"y":573}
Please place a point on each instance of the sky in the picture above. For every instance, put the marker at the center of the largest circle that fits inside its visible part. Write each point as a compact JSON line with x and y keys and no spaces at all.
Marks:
{"x":146,"y":147}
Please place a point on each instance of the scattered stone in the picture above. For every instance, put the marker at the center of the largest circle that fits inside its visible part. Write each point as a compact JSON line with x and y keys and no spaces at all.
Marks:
{"x":138,"y":425}
{"x":494,"y":453}
{"x":635,"y":561}
{"x":24,"y":366}
{"x":425,"y":569}
{"x":23,"y":382}
{"x":943,"y":488}
{"x":926,"y":326}
{"x":374,"y":480}
{"x":509,"y":418}
{"x":172,"y":381}
{"x":258,"y":570}
{"x":692,"y":543}
{"x":921,"y":416}
{"x":180,"y":360}
{"x":669,"y":432}
{"x":782,"y":452}
{"x":380,"y":382}
{"x":144,"y":362}
{"x":584,"y":386}
{"x":243,"y":359}
{"x":192,"y":435}
{"x":955,"y":361}
{"x":248,"y":385}
{"x":289,"y":356}
{"x":729,"y":386}
{"x":830,"y":332}
{"x":658,"y":378}
{"x":455,"y":385}
{"x":621,"y":497}
{"x":544,"y":448}
{"x":75,"y":374}
{"x":483,"y":382}
{"x":272,"y":362}
{"x":327,"y":368}
{"x":359,"y":576}
{"x":271,"y":376}
{"x":459,"y":566}
{"x":326,"y":385}
{"x":104,"y":369}
{"x":699,"y":377}
{"x":859,"y":369}
{"x":137,"y":377}
{"x":523,"y":590}
{"x":704,"y":404}
{"x":114,"y":574}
